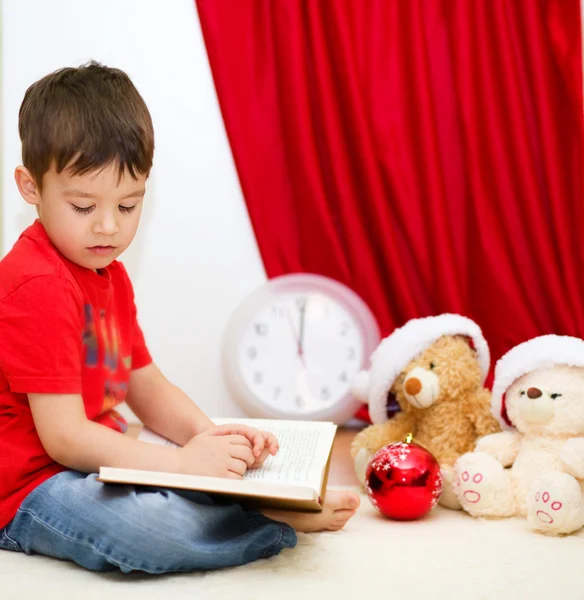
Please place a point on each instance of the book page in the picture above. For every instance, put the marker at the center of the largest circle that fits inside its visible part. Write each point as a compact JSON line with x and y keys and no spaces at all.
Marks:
{"x":294,"y":462}
{"x":304,"y":450}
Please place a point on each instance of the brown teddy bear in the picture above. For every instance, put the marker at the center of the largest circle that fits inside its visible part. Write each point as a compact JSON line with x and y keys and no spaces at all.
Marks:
{"x":431,"y":371}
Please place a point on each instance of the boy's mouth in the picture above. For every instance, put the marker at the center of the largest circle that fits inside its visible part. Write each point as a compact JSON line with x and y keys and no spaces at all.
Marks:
{"x":102,"y":250}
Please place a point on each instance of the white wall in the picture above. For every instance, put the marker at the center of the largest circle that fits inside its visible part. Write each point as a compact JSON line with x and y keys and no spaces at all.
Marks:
{"x":195,"y":256}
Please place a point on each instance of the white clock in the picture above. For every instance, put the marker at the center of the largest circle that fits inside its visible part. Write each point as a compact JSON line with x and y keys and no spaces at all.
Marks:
{"x":293,"y":347}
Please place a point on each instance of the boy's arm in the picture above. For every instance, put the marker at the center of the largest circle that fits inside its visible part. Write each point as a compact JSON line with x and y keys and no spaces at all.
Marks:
{"x":163,"y":407}
{"x":74,"y":441}
{"x":168,"y":411}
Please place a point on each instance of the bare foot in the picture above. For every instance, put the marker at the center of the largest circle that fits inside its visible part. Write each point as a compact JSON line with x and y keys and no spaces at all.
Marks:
{"x":339,"y":507}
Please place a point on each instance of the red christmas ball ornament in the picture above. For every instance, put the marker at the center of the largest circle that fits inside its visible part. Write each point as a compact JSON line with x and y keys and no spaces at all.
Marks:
{"x":403,"y":481}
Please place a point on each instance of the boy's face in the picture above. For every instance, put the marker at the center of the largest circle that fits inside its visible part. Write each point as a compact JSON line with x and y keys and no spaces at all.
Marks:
{"x":92,"y":218}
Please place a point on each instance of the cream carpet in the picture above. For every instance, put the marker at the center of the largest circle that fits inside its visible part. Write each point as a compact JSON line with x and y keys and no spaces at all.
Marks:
{"x":447,"y":555}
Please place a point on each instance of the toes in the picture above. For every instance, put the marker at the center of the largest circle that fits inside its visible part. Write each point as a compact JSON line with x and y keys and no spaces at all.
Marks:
{"x":353,"y":501}
{"x":343,"y":500}
{"x":340,"y":518}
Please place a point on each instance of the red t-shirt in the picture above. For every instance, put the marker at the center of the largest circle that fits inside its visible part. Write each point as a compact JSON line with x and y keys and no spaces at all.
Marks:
{"x":64,"y":329}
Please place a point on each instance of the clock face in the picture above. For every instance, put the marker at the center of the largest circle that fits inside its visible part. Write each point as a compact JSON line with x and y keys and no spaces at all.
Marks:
{"x":293,"y":347}
{"x":300,"y":352}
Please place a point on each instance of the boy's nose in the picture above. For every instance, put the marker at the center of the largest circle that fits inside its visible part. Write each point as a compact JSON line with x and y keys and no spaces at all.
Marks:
{"x":107,"y":225}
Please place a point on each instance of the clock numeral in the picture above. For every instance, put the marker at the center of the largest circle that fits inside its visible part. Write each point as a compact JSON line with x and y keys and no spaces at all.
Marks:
{"x":258,"y":377}
{"x":300,"y":303}
{"x":344,"y":328}
{"x":351,"y":353}
{"x":299,"y":401}
{"x":343,"y":377}
{"x":252,"y":352}
{"x":277,"y":391}
{"x":325,"y":393}
{"x":261,"y":328}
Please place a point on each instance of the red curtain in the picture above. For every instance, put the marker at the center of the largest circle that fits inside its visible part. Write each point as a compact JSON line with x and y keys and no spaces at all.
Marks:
{"x":427,"y":153}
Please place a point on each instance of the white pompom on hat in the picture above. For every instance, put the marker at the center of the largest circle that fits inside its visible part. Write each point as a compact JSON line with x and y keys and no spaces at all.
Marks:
{"x":541,"y":352}
{"x":397,"y":350}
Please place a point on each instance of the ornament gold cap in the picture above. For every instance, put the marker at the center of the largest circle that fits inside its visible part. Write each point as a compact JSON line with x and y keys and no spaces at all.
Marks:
{"x":409,"y":438}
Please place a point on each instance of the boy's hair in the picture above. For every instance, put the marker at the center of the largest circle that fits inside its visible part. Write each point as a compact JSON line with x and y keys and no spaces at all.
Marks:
{"x":84,"y":119}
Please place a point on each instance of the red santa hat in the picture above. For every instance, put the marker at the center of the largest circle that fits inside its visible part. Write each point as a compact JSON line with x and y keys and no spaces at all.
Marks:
{"x":397,"y":350}
{"x":541,"y":352}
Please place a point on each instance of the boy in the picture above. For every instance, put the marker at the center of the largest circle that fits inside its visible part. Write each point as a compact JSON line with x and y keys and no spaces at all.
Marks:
{"x":71,"y":350}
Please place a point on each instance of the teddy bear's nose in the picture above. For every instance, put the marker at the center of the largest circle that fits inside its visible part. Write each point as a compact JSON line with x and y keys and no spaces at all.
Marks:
{"x":413,"y":386}
{"x":533,"y":393}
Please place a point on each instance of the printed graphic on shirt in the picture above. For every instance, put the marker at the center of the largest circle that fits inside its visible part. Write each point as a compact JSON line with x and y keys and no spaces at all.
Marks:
{"x":90,"y":338}
{"x":112,"y":339}
{"x":106,"y":330}
{"x":119,"y":421}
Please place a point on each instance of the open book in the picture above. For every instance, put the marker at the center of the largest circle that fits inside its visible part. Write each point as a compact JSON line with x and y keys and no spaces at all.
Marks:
{"x":295,"y":478}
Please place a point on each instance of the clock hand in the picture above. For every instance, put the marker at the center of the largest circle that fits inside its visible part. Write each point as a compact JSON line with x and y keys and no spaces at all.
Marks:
{"x":290,"y":322}
{"x":296,"y":338}
{"x":302,"y":377}
{"x":301,"y":340}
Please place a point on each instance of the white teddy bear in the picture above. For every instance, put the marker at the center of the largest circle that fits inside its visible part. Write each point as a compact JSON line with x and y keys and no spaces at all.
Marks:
{"x":538,"y":388}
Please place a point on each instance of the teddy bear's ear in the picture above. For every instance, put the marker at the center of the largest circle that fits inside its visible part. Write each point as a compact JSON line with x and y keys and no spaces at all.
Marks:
{"x":360,"y":386}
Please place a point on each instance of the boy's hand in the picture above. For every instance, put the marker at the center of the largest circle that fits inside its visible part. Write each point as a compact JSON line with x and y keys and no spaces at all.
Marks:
{"x":263,"y":442}
{"x":217,"y":455}
{"x":271,"y":446}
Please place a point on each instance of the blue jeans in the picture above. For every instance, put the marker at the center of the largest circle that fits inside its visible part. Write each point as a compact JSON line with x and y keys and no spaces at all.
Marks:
{"x":73,"y":516}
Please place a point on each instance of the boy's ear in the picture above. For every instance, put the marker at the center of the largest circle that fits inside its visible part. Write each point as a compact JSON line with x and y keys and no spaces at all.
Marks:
{"x":26,"y":185}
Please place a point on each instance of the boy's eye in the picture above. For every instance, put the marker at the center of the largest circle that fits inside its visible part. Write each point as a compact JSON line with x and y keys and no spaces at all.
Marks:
{"x":83,"y":210}
{"x":554,"y":396}
{"x":522,"y":393}
{"x":432,"y":366}
{"x":126,"y":209}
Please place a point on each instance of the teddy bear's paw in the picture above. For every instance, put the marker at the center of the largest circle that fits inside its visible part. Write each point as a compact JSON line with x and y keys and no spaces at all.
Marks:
{"x":555,"y":504}
{"x":361,"y":462}
{"x":482,"y":486}
{"x":572,"y":455}
{"x":501,"y":446}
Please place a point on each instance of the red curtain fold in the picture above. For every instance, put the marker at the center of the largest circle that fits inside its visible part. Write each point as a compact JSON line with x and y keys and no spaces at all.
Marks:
{"x":427,"y":153}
